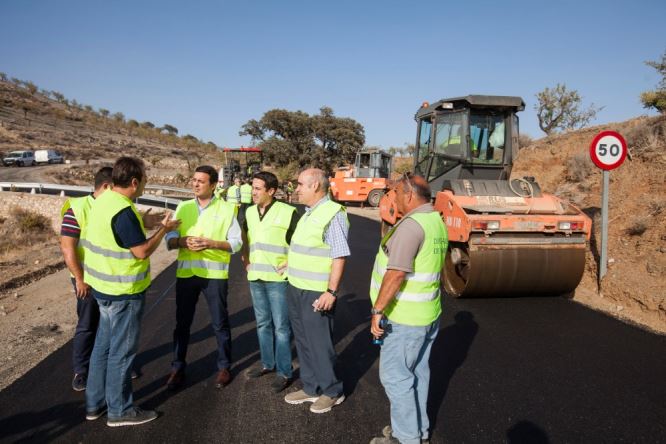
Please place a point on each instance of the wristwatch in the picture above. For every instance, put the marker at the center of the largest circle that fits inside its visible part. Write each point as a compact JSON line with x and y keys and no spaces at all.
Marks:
{"x":333,"y":292}
{"x":374,"y":311}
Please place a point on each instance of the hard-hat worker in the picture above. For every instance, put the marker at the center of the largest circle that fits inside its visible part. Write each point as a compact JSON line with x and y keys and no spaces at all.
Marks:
{"x":205,"y":240}
{"x":405,"y":290}
{"x":74,"y":215}
{"x":268,"y":229}
{"x":316,"y":261}
{"x":234,"y":192}
{"x":117,"y":268}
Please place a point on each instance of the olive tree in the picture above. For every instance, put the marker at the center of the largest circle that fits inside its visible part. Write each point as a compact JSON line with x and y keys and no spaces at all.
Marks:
{"x":295,"y":137}
{"x":561,"y":109}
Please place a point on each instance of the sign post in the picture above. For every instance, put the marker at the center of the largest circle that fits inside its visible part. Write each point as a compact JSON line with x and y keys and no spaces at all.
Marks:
{"x":608,"y":151}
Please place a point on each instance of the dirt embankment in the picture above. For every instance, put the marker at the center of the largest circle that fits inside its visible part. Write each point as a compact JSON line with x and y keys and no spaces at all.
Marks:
{"x":634,"y":288}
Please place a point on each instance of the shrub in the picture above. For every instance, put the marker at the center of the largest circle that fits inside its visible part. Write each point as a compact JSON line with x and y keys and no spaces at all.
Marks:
{"x":579,"y":167}
{"x":30,"y":222}
{"x":638,"y":227}
{"x":657,"y":206}
{"x":648,"y":139}
{"x":524,"y":140}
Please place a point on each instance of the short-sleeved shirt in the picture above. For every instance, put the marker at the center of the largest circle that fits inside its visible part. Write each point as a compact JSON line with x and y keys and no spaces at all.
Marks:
{"x":70,"y":226}
{"x":406,"y":242}
{"x":128,"y":233}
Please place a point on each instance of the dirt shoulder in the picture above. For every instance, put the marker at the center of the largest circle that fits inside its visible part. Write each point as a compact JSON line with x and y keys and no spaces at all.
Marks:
{"x":37,"y":304}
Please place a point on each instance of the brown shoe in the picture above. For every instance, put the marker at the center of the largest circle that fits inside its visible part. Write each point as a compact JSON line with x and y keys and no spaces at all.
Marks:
{"x":176,"y":379}
{"x":223,"y":378}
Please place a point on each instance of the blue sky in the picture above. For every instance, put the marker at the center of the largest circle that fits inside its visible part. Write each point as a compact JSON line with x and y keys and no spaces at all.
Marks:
{"x":207,"y":67}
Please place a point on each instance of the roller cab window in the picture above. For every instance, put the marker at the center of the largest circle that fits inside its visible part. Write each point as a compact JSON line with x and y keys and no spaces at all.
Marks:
{"x":487,"y":138}
{"x":422,"y":150}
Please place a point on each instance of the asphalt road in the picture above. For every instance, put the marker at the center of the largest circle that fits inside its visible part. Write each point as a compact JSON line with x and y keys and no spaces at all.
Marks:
{"x":515,"y":370}
{"x":36,"y":173}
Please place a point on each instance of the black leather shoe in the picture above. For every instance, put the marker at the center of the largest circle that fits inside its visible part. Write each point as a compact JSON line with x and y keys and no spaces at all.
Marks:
{"x":176,"y":379}
{"x":280,"y":383}
{"x":258,"y":372}
{"x":223,"y":378}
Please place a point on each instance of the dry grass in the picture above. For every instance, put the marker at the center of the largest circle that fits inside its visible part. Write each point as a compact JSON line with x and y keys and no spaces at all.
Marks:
{"x":646,"y":140}
{"x":579,"y":167}
{"x":24,"y":227}
{"x":637,"y":227}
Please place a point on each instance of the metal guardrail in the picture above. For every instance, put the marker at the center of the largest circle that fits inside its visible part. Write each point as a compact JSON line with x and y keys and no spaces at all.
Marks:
{"x":82,"y":190}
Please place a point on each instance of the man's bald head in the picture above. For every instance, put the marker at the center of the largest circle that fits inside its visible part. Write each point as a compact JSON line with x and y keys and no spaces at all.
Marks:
{"x":312,"y":186}
{"x":319,"y":176}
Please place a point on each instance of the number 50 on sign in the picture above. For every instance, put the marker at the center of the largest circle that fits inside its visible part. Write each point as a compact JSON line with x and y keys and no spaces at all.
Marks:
{"x":608,"y":150}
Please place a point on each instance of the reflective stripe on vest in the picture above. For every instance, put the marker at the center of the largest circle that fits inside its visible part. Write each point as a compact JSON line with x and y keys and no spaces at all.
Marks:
{"x":309,"y":256}
{"x":267,"y":241}
{"x":213,"y":223}
{"x":231,"y":194}
{"x":246,"y":193}
{"x":417,"y":302}
{"x":109,"y":268}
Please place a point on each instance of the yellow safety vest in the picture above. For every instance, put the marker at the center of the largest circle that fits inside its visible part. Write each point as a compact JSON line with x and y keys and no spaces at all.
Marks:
{"x":417,"y":302}
{"x":80,"y":207}
{"x":267,"y":241}
{"x":109,"y":268}
{"x":231,"y":194}
{"x":212,"y":223}
{"x":309,"y":256}
{"x":246,"y":193}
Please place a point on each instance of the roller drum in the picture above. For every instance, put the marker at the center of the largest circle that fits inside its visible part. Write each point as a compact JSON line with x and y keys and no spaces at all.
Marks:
{"x":514,"y":266}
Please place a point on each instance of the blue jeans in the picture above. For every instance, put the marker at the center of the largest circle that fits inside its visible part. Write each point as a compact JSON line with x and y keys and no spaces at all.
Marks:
{"x":405,"y":375}
{"x":270,"y":308}
{"x":116,"y":344}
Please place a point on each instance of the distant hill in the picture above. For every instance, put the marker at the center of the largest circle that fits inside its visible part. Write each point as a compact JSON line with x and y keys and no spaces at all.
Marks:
{"x":31,"y":118}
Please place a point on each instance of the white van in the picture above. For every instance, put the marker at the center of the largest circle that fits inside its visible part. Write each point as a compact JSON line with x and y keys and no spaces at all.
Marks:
{"x":48,"y":156}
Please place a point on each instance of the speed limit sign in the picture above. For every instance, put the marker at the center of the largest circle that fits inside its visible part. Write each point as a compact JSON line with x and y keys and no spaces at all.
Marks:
{"x":608,"y":150}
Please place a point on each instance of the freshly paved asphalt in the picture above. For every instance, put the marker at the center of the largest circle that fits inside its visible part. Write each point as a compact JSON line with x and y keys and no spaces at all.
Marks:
{"x":512,"y":370}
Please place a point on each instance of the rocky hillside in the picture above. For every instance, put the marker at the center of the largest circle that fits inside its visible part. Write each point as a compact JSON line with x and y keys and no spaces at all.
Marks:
{"x":635,"y":285}
{"x":634,"y":288}
{"x":31,"y":118}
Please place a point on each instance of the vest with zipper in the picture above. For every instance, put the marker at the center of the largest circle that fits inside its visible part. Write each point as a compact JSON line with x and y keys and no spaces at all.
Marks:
{"x":213,"y":223}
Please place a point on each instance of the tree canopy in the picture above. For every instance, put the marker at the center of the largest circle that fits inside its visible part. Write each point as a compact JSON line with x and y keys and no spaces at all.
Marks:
{"x":323,"y":139}
{"x":560,"y":109}
{"x":657,"y":99}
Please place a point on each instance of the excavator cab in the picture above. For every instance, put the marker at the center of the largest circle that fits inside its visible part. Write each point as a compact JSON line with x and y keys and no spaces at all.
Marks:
{"x":372,"y":164}
{"x":472,"y":137}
